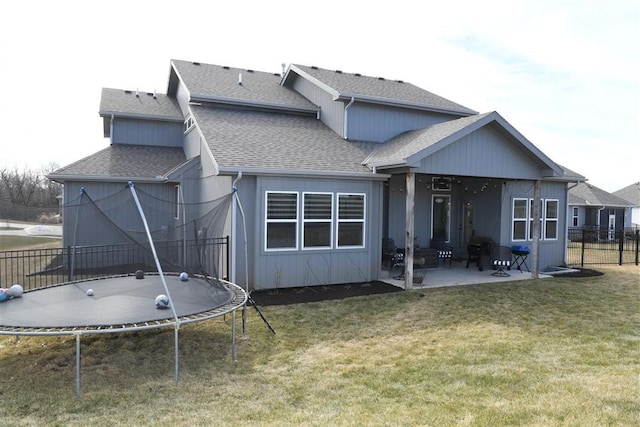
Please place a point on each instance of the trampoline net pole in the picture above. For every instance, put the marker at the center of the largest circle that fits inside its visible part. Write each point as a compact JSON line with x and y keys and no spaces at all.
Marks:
{"x":153,"y":250}
{"x":177,"y":353}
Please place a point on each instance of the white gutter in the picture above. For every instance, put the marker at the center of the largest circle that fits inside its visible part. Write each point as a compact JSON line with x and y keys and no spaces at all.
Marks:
{"x":346,"y":115}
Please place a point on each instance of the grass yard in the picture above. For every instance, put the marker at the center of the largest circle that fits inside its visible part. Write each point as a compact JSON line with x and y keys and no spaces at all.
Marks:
{"x":12,"y":243}
{"x":548,"y":352}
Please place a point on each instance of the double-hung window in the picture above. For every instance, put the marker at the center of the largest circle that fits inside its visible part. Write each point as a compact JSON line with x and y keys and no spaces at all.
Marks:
{"x":522,"y":219}
{"x":281,"y":221}
{"x":317,"y":223}
{"x":351,"y":217}
{"x":314,"y":220}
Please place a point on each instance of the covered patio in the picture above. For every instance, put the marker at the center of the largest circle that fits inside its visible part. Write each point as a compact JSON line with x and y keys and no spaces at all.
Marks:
{"x":455,"y":275}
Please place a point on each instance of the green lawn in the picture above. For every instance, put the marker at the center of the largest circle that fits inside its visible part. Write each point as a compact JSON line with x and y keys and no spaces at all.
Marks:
{"x":548,"y":352}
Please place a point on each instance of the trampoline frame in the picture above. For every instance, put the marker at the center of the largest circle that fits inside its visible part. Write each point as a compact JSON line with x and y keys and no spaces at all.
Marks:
{"x":238,"y":301}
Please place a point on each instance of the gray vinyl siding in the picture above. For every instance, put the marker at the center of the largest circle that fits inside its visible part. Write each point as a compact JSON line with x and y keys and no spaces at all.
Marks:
{"x":484,"y":152}
{"x":146,"y":132}
{"x":270,"y":269}
{"x":377,"y":123}
{"x":331,"y":112}
{"x":551,"y":252}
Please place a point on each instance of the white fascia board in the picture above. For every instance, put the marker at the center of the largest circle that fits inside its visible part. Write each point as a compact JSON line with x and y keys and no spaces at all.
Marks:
{"x":106,"y":178}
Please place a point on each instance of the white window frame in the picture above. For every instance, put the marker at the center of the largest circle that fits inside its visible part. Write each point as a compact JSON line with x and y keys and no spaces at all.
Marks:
{"x":268,"y":221}
{"x":306,"y":221}
{"x":525,"y":220}
{"x":176,"y":201}
{"x":575,"y":216}
{"x":549,"y":220}
{"x":529,"y":219}
{"x":362,"y":221}
{"x":189,"y":123}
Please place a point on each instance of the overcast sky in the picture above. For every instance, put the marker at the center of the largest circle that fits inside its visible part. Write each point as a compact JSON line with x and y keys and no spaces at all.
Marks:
{"x":564,"y":73}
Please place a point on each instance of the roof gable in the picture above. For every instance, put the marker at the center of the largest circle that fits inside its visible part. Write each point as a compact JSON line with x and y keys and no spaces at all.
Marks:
{"x":411,"y":147}
{"x":375,"y":89}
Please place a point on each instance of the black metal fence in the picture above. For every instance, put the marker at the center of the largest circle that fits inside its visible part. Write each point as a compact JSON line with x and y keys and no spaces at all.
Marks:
{"x":592,"y":245}
{"x":37,"y":268}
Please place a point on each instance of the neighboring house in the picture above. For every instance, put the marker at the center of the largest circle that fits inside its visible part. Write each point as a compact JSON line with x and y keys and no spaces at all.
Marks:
{"x":631,"y":194}
{"x":595,"y":209}
{"x":331,"y":163}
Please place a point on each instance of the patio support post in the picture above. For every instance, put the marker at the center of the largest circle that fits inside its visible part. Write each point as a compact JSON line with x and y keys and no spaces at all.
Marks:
{"x":408,"y":253}
{"x":535,"y":230}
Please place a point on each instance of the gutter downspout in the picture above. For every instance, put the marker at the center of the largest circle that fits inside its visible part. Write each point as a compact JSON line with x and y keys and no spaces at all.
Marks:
{"x":346,"y":116}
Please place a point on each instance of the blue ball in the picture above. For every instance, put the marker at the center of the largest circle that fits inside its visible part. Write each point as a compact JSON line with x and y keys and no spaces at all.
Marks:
{"x":162,"y":301}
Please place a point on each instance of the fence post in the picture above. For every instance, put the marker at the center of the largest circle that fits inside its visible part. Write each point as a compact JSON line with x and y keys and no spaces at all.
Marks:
{"x":582,"y":242}
{"x":69,"y":263}
{"x":620,"y":246}
{"x":637,"y":241}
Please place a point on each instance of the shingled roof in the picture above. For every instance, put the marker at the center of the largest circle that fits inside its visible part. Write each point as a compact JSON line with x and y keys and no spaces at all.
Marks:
{"x":378,"y":89}
{"x":630,"y":193}
{"x":263,"y":141}
{"x":135,"y":104}
{"x":585,"y":194}
{"x":222,"y":84}
{"x":125,"y":162}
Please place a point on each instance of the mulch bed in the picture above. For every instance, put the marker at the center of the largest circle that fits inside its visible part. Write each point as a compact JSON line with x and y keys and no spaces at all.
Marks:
{"x":305,"y":294}
{"x":582,"y":272}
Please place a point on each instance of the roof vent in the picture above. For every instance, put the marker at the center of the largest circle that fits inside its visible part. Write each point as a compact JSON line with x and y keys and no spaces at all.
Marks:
{"x":400,"y":81}
{"x":137,"y":93}
{"x":380,"y":78}
{"x":127,"y":91}
{"x":240,"y":79}
{"x":195,"y":63}
{"x":226,"y":67}
{"x":249,"y":71}
{"x":339,"y":71}
{"x":358,"y":75}
{"x":313,"y":67}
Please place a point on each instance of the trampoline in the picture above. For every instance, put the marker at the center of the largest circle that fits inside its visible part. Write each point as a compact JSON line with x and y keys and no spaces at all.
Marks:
{"x":119,"y":304}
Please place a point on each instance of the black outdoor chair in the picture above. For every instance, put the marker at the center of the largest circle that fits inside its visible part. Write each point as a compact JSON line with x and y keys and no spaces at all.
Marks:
{"x":391,"y":254}
{"x":445,"y":251}
{"x":501,"y":259}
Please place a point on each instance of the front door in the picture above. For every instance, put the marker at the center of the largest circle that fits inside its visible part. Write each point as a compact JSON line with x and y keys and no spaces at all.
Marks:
{"x":441,"y":217}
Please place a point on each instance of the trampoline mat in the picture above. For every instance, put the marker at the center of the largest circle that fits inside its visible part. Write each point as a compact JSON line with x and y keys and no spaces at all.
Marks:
{"x":116,"y":301}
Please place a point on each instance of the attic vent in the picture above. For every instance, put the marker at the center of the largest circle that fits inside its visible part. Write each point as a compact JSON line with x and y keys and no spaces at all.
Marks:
{"x":338,"y":71}
{"x":358,"y":75}
{"x":313,"y":67}
{"x":225,"y":67}
{"x":195,"y":63}
{"x":380,"y":78}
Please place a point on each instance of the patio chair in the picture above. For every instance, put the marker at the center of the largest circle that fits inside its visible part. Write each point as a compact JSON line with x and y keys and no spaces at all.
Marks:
{"x":391,"y":254}
{"x":501,"y":259}
{"x":445,"y":251}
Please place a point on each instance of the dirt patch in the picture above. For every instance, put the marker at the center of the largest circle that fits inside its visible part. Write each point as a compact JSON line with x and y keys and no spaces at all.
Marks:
{"x":305,"y":294}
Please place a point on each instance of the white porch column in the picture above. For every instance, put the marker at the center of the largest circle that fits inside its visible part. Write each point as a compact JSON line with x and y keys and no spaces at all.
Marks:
{"x":408,"y":252}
